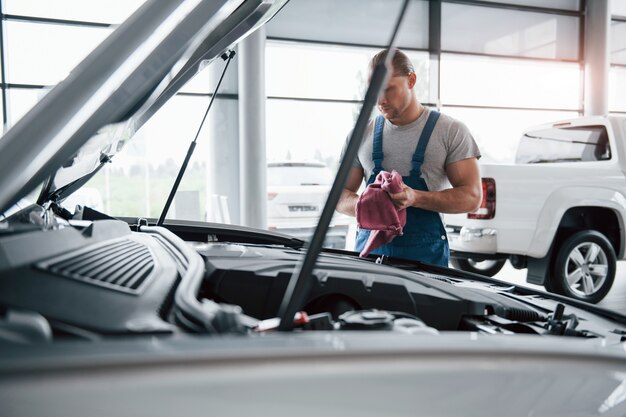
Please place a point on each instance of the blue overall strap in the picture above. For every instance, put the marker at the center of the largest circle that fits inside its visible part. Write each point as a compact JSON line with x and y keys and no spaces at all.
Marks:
{"x":420,"y":150}
{"x":377,"y":149}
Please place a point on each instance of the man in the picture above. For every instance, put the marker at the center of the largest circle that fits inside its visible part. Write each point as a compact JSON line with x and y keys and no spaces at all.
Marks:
{"x":431,"y":151}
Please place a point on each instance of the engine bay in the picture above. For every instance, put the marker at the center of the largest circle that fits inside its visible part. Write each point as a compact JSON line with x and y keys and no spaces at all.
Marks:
{"x":104,"y":278}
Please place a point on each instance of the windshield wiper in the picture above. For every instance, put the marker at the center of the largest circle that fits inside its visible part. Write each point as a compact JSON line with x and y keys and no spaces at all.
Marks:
{"x":301,"y":279}
{"x":544,"y":161}
{"x":226,"y":56}
{"x":578,"y":142}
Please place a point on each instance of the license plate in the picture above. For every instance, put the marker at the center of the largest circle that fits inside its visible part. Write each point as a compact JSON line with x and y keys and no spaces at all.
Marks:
{"x":302,"y":208}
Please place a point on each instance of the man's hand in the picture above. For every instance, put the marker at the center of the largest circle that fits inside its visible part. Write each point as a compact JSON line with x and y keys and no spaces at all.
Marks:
{"x":405,"y":198}
{"x":464,"y":196}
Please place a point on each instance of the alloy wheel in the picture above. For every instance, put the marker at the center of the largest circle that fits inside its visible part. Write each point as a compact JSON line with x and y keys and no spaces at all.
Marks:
{"x":586,"y":269}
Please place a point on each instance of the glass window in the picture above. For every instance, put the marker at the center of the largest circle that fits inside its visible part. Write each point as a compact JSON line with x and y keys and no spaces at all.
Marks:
{"x":572,"y":144}
{"x":328,"y":72}
{"x":485,"y":81}
{"x":206,"y":79}
{"x":497,"y":131}
{"x":618,"y":42}
{"x":508,"y":32}
{"x":617,"y":89}
{"x":21,"y":100}
{"x":44,"y":54}
{"x":300,"y":130}
{"x":138,"y":181}
{"x":352,"y":21}
{"x":618,"y":7}
{"x":102,"y":11}
{"x":552,"y":4}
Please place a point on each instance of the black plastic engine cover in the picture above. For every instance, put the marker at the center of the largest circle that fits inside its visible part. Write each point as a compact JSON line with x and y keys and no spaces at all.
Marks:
{"x":104,"y":278}
{"x":255,"y":278}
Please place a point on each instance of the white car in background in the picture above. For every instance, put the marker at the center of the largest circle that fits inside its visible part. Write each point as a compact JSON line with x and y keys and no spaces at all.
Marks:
{"x":296,"y":193}
{"x":559,"y":211}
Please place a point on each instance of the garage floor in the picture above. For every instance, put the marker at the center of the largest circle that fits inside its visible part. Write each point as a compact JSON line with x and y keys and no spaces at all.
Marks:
{"x":615,"y":300}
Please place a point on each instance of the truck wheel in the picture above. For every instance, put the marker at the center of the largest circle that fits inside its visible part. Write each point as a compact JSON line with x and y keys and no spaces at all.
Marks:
{"x":584,"y":267}
{"x":489,"y":267}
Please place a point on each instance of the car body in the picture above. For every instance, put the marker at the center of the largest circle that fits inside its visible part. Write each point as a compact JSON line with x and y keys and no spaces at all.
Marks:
{"x":342,"y":374}
{"x":296,"y":193}
{"x":562,"y":204}
{"x":103,"y":315}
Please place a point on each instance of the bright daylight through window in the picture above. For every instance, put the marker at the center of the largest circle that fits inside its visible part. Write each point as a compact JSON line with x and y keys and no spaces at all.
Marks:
{"x":314,"y":87}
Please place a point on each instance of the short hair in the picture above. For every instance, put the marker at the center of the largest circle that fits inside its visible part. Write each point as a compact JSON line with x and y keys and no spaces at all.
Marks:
{"x":400,"y":62}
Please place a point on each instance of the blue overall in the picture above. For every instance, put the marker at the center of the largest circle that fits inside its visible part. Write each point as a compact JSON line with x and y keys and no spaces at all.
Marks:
{"x":424,"y":237}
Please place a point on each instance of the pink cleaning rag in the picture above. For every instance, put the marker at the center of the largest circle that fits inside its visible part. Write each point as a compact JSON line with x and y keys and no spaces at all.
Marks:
{"x":376,"y":212}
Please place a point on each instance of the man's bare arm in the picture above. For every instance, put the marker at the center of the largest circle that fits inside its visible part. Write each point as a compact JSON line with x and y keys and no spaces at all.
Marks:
{"x":465,"y":195}
{"x":349,"y":197}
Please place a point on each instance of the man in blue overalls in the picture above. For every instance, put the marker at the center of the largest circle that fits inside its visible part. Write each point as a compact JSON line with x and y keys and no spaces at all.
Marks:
{"x":436,"y":156}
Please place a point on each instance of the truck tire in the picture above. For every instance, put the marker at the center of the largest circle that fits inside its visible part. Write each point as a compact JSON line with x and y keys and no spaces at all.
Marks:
{"x":489,"y":267}
{"x":584,"y":267}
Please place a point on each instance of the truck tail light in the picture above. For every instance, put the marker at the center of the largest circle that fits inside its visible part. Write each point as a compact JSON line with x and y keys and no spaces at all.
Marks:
{"x":271,"y":195}
{"x":487,"y":209}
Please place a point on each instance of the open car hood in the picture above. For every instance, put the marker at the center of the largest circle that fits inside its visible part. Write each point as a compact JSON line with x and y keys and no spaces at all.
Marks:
{"x":89,"y":116}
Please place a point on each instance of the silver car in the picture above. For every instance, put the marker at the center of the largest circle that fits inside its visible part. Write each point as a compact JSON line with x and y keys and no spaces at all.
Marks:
{"x":106,"y":316}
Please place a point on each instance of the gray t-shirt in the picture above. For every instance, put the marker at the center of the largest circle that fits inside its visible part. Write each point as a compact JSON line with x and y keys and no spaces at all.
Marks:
{"x":451,"y":141}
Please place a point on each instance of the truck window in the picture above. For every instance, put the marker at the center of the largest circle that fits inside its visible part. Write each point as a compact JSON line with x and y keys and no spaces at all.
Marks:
{"x":564,"y":144}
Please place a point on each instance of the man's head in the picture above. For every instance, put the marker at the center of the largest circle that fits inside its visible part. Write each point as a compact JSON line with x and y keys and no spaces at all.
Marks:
{"x":397,"y":98}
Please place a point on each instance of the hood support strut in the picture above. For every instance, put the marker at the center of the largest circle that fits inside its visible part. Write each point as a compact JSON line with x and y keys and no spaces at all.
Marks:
{"x":226,"y":56}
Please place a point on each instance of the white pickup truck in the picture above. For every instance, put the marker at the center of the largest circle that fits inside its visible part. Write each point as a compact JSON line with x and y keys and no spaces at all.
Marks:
{"x":559,"y":210}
